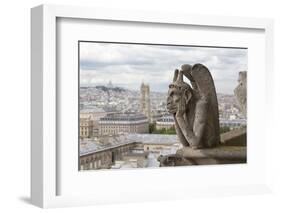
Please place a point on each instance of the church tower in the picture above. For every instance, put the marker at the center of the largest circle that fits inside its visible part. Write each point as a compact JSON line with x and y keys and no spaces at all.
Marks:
{"x":145,"y":100}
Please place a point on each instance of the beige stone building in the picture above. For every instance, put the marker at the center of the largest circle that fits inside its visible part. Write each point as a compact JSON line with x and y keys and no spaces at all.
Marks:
{"x":166,"y":122}
{"x":104,"y":158}
{"x":89,"y":118}
{"x":86,"y":127}
{"x":114,"y":124}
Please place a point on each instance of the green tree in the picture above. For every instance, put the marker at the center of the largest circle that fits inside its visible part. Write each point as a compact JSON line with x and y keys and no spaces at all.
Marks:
{"x":224,"y":129}
{"x":163,"y":131}
{"x":151,"y":128}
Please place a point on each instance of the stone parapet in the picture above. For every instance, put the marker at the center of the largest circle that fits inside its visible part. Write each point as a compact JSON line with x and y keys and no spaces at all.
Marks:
{"x":218,"y":155}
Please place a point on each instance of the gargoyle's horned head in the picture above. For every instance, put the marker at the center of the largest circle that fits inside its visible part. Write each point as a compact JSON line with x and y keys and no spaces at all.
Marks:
{"x":179,"y":93}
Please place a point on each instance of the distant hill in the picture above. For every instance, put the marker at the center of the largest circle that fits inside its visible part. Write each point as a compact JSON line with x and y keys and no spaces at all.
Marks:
{"x":118,"y":89}
{"x":106,"y":89}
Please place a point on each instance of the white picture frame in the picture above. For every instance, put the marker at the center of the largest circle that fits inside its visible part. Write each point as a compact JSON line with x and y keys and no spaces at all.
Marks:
{"x":44,"y":148}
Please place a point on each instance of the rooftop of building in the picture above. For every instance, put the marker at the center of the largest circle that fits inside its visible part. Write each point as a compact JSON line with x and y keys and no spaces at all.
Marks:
{"x":232,"y":121}
{"x":93,"y":109}
{"x":123,"y":117}
{"x":154,"y":138}
{"x":97,"y":144}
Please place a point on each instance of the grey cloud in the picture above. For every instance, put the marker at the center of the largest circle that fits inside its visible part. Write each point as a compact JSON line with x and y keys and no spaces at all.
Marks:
{"x":87,"y":64}
{"x":129,"y":64}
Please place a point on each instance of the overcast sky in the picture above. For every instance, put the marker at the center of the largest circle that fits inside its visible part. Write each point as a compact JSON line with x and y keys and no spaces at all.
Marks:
{"x":128,"y":65}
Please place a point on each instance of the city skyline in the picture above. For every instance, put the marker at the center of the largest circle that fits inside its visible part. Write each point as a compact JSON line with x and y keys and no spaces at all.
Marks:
{"x":128,"y":65}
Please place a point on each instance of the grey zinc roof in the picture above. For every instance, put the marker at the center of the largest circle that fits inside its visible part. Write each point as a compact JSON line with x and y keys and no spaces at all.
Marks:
{"x":124,"y":117}
{"x":154,"y":138}
{"x":88,"y":146}
{"x":92,"y":110}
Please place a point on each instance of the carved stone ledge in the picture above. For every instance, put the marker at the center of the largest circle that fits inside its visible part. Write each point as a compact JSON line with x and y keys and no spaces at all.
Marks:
{"x":218,"y":155}
{"x":237,"y":137}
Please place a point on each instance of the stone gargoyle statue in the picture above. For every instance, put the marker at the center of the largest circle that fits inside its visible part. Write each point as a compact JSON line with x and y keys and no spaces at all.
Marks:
{"x":240,"y":92}
{"x":195,"y":107}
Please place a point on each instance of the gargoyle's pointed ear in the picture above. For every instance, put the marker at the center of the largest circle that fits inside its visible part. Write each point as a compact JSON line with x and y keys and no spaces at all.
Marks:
{"x":180,"y":77}
{"x":188,"y":96}
{"x":176,"y":73}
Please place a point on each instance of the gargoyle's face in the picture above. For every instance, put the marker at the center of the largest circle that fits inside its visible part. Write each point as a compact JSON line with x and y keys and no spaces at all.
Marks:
{"x":175,"y":95}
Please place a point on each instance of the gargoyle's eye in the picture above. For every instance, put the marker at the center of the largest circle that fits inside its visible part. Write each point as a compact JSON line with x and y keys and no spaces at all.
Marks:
{"x":171,"y":86}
